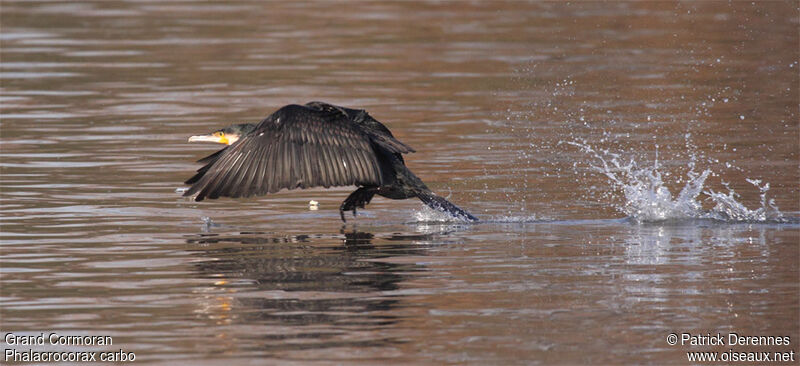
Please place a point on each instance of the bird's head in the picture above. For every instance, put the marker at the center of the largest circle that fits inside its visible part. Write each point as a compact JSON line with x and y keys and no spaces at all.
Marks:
{"x":227,"y":135}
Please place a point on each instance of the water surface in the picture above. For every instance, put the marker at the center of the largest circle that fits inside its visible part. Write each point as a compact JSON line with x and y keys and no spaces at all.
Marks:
{"x":513,"y":109}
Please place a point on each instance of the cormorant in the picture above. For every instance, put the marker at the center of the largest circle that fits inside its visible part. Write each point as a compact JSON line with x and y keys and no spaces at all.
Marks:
{"x":312,"y":145}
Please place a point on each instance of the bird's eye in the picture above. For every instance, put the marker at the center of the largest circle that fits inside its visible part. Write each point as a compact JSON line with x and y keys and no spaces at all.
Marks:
{"x":222,"y":134}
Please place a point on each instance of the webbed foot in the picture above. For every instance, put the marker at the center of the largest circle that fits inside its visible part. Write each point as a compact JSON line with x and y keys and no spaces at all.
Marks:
{"x":358,"y":199}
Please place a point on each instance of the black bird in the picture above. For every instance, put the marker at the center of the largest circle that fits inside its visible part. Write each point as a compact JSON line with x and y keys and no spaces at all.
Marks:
{"x":312,"y":145}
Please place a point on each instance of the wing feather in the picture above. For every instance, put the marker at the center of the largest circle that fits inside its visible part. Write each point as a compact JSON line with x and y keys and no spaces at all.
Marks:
{"x":260,"y":180}
{"x":355,"y":166}
{"x":308,"y":173}
{"x":347,"y":160}
{"x":223,"y":188}
{"x":242,"y":180}
{"x":366,"y":162}
{"x":248,"y":184}
{"x":322,"y":157}
{"x":277,"y":172}
{"x":327,"y":163}
{"x":286,"y":160}
{"x":275,"y":169}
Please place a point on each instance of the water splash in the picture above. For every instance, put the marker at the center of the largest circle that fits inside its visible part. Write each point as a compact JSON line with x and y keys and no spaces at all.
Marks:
{"x":729,"y":209}
{"x":647,"y":198}
{"x":428,"y":215}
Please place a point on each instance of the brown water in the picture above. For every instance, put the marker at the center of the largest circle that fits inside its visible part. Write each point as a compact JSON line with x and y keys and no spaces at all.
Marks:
{"x":98,"y":100}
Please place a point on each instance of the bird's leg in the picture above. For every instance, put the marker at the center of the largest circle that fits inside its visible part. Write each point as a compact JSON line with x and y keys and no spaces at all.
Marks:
{"x":359,"y":198}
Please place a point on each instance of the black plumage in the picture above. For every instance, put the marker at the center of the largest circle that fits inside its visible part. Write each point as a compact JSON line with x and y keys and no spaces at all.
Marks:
{"x":313,"y":145}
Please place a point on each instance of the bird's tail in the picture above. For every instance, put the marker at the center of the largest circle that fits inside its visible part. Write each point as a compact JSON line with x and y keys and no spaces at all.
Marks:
{"x":440,"y":204}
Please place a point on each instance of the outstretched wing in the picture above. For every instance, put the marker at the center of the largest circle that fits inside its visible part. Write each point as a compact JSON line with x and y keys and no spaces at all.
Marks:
{"x":295,"y":147}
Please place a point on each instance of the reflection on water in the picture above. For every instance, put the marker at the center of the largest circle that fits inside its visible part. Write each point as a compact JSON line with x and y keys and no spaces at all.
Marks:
{"x":99,"y":98}
{"x":287,"y":283}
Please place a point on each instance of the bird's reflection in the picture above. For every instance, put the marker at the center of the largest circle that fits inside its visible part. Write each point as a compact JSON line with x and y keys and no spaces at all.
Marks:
{"x":338,"y":283}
